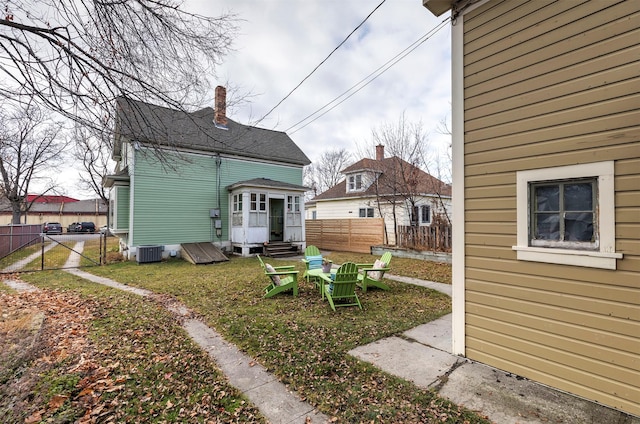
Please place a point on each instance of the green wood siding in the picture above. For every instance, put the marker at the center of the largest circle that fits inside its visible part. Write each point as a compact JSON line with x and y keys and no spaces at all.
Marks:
{"x":171,"y":206}
{"x":122,"y":208}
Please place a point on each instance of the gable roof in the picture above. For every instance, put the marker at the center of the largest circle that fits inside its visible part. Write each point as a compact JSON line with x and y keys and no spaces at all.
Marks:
{"x":387,"y":169}
{"x":172,"y":128}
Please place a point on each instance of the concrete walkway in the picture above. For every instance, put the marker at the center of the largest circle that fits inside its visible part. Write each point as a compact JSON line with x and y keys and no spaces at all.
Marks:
{"x":421,"y":355}
{"x":275,"y":401}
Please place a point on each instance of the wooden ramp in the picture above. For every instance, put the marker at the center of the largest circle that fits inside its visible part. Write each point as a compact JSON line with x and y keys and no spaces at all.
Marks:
{"x":202,"y":253}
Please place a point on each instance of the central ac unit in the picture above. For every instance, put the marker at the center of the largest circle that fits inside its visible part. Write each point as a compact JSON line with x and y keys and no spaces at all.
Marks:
{"x":148,"y":254}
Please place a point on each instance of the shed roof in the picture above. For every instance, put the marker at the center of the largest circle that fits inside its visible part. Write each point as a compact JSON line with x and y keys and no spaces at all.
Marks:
{"x":267,"y":183}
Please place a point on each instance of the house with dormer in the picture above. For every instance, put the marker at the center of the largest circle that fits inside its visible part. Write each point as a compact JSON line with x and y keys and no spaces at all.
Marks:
{"x":389,"y":188}
{"x":201,"y":177}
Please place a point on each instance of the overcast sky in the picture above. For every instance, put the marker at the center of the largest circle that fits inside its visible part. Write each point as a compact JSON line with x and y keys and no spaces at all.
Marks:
{"x":281,"y":41}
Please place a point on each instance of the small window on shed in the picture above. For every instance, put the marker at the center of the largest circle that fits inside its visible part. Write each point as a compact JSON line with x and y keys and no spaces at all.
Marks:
{"x":566,"y":215}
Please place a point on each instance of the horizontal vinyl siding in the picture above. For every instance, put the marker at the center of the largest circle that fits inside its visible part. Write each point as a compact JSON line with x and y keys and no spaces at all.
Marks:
{"x":172,"y":204}
{"x":122,"y":208}
{"x":552,"y":84}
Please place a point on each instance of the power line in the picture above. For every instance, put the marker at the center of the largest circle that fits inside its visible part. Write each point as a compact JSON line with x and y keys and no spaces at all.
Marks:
{"x":321,"y":63}
{"x":368,"y":79}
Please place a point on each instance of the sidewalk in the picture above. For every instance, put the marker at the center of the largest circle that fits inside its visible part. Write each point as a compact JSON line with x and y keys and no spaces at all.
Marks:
{"x":423,"y":356}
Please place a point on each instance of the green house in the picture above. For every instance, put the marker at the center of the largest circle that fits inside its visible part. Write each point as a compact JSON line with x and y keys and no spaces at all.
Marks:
{"x":202,"y":177}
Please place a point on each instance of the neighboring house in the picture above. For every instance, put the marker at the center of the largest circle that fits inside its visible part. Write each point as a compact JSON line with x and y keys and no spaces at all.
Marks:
{"x":215,"y":180}
{"x":546,"y":192}
{"x":49,"y":198}
{"x":385,"y":188}
{"x":62,"y":209}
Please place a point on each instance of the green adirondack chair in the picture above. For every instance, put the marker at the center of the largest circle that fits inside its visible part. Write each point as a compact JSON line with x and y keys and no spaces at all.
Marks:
{"x":371,"y":274}
{"x":312,"y":260}
{"x":283,"y":278}
{"x":342,"y":292}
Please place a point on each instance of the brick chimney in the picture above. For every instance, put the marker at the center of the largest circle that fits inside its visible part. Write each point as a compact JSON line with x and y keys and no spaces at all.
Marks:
{"x":379,"y":152}
{"x":220,"y":115}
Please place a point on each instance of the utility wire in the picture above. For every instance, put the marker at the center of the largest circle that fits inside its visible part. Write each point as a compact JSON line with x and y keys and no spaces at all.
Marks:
{"x":371,"y":77}
{"x":321,"y":63}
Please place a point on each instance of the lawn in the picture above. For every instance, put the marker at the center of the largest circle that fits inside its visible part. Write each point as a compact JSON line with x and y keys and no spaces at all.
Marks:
{"x":300,"y":339}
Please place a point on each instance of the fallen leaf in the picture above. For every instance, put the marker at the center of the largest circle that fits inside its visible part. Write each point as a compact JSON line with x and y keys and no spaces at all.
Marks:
{"x":57,"y":401}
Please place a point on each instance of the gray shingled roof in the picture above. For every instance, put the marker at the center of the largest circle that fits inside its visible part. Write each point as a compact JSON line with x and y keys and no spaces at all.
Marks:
{"x":176,"y":129}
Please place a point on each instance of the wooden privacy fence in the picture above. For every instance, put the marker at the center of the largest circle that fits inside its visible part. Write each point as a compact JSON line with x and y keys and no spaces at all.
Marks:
{"x":435,"y":237}
{"x":347,"y":235}
{"x":14,"y":237}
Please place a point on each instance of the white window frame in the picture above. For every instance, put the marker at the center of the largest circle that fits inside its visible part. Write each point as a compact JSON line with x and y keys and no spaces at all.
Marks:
{"x":354,"y":182}
{"x":605,"y":256}
{"x":294,"y":214}
{"x":236,"y":217}
{"x":257,"y":209}
{"x":422,"y":220}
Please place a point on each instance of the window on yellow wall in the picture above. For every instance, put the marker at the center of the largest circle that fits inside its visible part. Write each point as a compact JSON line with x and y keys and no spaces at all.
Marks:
{"x":563,"y":214}
{"x":566,"y":215}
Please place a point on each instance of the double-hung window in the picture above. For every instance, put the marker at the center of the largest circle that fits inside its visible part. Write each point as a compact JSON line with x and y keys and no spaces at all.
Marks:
{"x":258,"y":210}
{"x":294,"y":216}
{"x":365,"y":213}
{"x":421,"y":215}
{"x":425,"y":214}
{"x":355,"y":182}
{"x":237,"y":210}
{"x":566,"y":215}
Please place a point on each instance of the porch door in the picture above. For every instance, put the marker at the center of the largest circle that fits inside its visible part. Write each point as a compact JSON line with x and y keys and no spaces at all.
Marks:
{"x":276,"y":220}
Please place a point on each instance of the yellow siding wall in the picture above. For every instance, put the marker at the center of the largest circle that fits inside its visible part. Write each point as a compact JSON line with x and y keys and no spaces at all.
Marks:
{"x":551,"y":84}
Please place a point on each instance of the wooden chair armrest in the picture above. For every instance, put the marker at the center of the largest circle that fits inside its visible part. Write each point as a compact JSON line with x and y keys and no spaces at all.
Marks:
{"x":284,"y":267}
{"x":364,"y":265}
{"x":367,"y":270}
{"x":283,"y":272}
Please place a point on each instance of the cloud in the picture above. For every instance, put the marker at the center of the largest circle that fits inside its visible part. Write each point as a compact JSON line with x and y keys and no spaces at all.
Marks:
{"x":281,"y":41}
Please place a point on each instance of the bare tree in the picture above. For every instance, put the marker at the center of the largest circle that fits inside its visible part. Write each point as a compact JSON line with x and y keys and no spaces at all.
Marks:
{"x":93,"y":150}
{"x":445,"y":160}
{"x":326,"y":172}
{"x":77,"y":57}
{"x":401,"y":178}
{"x":30,"y":144}
{"x":406,"y":143}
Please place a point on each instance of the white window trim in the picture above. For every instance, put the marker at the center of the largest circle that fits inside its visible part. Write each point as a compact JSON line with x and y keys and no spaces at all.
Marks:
{"x":428,"y":222}
{"x":355,"y":187}
{"x":606,"y":256}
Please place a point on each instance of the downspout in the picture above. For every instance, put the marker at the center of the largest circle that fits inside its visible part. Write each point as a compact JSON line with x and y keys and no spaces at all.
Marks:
{"x":218,"y":173}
